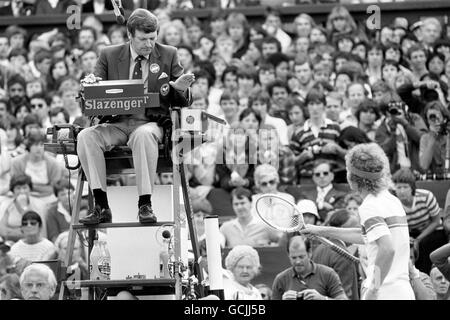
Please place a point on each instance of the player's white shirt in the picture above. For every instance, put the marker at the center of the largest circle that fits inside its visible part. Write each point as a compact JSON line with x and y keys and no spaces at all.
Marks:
{"x":382,"y":215}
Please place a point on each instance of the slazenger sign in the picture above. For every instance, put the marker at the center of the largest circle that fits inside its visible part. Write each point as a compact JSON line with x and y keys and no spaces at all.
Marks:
{"x":118,"y":105}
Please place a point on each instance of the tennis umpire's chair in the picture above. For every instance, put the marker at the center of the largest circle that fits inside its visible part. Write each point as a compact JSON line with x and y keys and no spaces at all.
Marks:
{"x":118,"y":161}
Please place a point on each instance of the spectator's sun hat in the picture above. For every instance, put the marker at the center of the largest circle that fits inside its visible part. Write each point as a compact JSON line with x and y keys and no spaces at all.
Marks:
{"x":308,"y":206}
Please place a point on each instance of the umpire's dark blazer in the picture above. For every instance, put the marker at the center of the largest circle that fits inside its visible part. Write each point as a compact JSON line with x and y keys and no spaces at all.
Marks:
{"x":114,"y":64}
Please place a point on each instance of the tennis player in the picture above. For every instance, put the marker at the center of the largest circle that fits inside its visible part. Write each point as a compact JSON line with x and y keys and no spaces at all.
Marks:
{"x":384,"y":228}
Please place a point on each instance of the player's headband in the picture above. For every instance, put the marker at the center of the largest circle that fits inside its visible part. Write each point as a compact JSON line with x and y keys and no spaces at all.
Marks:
{"x":365,"y":174}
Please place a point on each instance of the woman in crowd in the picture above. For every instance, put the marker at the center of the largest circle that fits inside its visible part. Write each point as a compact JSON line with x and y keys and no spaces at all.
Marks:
{"x":367,"y":114}
{"x":340,"y":21}
{"x":32,"y":246}
{"x":12,"y":210}
{"x":173,"y":33}
{"x":242,"y":264}
{"x":10,"y":287}
{"x":58,"y":70}
{"x":434,"y":143}
{"x":238,"y":29}
{"x":43,"y":169}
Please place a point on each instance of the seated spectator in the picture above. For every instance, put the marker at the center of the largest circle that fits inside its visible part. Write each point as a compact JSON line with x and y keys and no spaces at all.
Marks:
{"x":434,"y":143}
{"x":420,"y":281}
{"x":242,"y":264}
{"x":440,"y":258}
{"x":16,"y":92}
{"x":246,"y":228}
{"x":260,"y":102}
{"x":423,"y":215}
{"x":10,"y":287}
{"x":279,"y":94}
{"x":297,"y":116}
{"x":32,"y":246}
{"x":265,"y":291}
{"x":327,"y":196}
{"x":14,"y":144}
{"x":5,"y":164}
{"x":352,"y":136}
{"x":40,"y":106}
{"x":318,"y":139}
{"x":333,"y":107}
{"x":59,"y":115}
{"x":306,"y":280}
{"x":59,"y":214}
{"x":267,"y":180}
{"x":352,"y":201}
{"x":236,"y":170}
{"x":43,"y":169}
{"x":11,"y":211}
{"x":38,"y":282}
{"x":346,"y":269}
{"x":399,"y":135}
{"x":79,"y":263}
{"x":367,"y":115}
{"x":440,"y":284}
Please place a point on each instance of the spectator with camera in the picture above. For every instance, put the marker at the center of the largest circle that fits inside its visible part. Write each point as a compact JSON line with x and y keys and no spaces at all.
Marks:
{"x":399,"y":136}
{"x":306,"y":280}
{"x":318,"y":139}
{"x":433,"y":144}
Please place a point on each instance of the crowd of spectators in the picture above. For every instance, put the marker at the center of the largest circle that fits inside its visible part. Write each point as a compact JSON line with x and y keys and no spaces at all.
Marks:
{"x":294,"y":102}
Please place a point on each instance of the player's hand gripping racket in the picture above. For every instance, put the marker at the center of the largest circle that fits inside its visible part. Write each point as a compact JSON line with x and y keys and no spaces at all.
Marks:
{"x":283,"y":215}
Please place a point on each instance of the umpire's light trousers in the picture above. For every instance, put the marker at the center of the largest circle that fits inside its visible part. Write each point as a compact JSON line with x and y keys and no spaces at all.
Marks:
{"x":142,"y":138}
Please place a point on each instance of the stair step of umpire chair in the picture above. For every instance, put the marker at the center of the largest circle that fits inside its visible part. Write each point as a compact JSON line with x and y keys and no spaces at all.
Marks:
{"x":142,"y":287}
{"x":122,"y":225}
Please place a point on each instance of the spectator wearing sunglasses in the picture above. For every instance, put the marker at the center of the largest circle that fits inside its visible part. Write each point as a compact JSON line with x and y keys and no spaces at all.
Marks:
{"x":267,"y":180}
{"x":326,"y":195}
{"x":40,"y":106}
{"x":33,"y":246}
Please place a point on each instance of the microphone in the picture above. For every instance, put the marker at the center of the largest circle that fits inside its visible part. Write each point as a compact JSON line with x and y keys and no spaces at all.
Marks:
{"x":166,"y":234}
{"x":118,"y":11}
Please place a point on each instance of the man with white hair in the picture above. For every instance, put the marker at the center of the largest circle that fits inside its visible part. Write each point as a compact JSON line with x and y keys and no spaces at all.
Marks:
{"x":38,"y":282}
{"x":384,"y":228}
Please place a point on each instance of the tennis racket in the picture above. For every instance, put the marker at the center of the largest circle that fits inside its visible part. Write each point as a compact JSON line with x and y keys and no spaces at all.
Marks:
{"x":284,"y":215}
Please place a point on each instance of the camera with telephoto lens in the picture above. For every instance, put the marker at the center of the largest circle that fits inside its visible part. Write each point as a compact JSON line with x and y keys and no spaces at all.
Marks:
{"x":396,"y":108}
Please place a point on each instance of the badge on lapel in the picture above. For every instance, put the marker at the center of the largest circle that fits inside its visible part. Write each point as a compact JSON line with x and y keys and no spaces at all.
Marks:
{"x":164,"y":89}
{"x":154,"y":68}
{"x":163,"y":76}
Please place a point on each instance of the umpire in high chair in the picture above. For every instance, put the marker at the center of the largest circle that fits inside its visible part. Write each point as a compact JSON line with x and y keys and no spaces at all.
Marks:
{"x":158,"y":65}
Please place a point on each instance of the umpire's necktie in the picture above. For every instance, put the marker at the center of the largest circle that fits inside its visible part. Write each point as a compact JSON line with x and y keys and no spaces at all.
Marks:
{"x":137,"y":72}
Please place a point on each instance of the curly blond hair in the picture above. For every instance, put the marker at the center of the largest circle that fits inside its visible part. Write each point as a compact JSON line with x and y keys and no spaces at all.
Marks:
{"x":371,"y":159}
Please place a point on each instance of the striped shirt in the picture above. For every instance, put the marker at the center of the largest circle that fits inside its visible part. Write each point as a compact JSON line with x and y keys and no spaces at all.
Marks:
{"x":423,"y":209}
{"x":43,"y":250}
{"x":308,"y":137}
{"x":383,"y":215}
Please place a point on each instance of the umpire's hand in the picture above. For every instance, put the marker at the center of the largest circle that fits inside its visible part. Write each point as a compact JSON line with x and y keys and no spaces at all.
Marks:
{"x":183,"y":82}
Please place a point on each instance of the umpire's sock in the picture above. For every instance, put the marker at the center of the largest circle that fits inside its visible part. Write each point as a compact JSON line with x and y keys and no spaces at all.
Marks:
{"x":100,"y":198}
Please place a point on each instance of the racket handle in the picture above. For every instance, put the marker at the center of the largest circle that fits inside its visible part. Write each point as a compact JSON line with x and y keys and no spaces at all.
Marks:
{"x":337,"y":249}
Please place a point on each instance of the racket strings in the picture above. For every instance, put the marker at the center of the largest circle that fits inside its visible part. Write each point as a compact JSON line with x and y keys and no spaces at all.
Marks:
{"x":279,"y":213}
